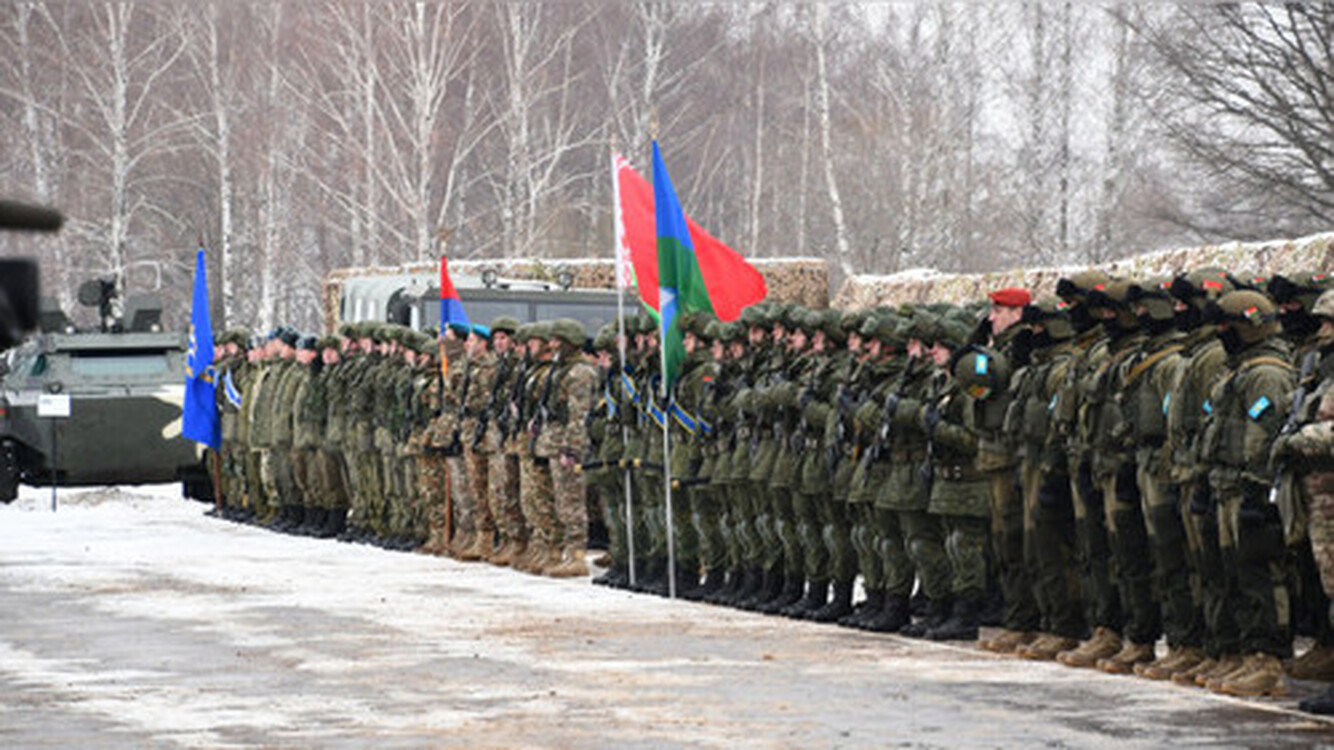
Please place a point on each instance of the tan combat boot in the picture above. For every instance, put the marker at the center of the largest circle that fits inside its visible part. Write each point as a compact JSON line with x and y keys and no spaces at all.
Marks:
{"x":533,"y":559}
{"x":1227,"y":666}
{"x":571,"y":564}
{"x":483,"y":546}
{"x":1263,"y":676}
{"x":1046,"y":647}
{"x":467,"y":547}
{"x":1104,"y":644}
{"x":505,"y":555}
{"x":1178,"y":659}
{"x":1315,"y":664}
{"x":1007,"y":641}
{"x":1124,"y":661}
{"x":1187,"y":678}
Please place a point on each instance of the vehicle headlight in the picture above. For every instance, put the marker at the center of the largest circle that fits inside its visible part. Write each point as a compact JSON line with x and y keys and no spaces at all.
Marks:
{"x":55,"y":387}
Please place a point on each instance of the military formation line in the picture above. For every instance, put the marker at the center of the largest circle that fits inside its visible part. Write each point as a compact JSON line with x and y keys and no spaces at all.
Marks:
{"x":1129,"y":461}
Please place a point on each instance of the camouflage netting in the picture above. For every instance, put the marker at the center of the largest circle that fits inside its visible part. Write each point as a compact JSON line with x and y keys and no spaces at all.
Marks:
{"x":804,"y":280}
{"x":1244,"y":260}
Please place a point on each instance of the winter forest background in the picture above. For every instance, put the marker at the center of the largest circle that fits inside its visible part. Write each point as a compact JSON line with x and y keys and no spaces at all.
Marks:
{"x":296,"y":137}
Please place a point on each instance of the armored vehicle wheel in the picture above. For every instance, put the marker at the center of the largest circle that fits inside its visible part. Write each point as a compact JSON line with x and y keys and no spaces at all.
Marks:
{"x":9,"y":473}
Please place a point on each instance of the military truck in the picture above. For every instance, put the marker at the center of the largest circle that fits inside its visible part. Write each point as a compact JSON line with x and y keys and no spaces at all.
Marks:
{"x":123,"y":385}
{"x":529,"y":289}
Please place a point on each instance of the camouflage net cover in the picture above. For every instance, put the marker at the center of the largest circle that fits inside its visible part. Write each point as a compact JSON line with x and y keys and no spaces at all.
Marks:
{"x":1242,"y":259}
{"x":803,"y":280}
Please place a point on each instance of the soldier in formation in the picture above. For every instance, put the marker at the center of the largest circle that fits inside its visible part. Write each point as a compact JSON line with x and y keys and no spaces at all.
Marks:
{"x":1128,"y":461}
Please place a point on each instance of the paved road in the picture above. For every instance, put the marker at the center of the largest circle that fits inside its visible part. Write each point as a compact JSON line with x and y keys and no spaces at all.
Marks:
{"x":130,"y":619}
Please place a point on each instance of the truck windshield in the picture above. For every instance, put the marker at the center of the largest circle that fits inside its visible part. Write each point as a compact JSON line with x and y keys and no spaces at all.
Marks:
{"x":93,"y":363}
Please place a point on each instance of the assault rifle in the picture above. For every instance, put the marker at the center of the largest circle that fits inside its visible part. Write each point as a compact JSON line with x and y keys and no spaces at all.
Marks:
{"x":1294,"y":420}
{"x":484,"y":419}
{"x":511,"y":410}
{"x":539,"y":420}
{"x":885,"y":431}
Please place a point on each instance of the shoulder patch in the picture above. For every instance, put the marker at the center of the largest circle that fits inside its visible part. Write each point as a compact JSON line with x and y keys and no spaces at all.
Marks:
{"x":980,"y":364}
{"x":1258,"y":409}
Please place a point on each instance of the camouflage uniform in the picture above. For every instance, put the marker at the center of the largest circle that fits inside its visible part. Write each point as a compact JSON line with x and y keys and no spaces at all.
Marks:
{"x":564,"y":442}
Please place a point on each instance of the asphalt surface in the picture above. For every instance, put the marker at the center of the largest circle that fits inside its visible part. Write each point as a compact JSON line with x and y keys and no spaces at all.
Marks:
{"x":131,"y":619}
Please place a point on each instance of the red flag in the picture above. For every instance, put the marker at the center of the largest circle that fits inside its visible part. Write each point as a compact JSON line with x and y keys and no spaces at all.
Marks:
{"x":732,"y":283}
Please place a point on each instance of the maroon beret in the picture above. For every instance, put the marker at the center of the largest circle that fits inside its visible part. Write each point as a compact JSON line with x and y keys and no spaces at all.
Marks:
{"x":1011,"y":297}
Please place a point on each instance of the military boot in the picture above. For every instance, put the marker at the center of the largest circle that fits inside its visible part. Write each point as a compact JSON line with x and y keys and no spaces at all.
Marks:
{"x":750,"y":582}
{"x":1178,"y":659}
{"x":615,"y":577}
{"x":714,"y":581}
{"x":1263,"y":676}
{"x":509,"y":551}
{"x":839,"y":606}
{"x":483,"y":547}
{"x":771,"y":586}
{"x":1186,"y":678}
{"x":864,"y":610}
{"x":1007,"y":641}
{"x":793,"y":586}
{"x":335,"y":523}
{"x":817,"y":595}
{"x":1228,"y":665}
{"x":1046,"y":647}
{"x":934,"y":614}
{"x":1315,"y":664}
{"x":891,"y":618}
{"x":687,"y":580}
{"x":533,"y":557}
{"x":1124,"y":661}
{"x":1322,"y":704}
{"x":729,"y":589}
{"x":571,"y":564}
{"x":962,"y":623}
{"x":654,"y":579}
{"x":1104,"y":643}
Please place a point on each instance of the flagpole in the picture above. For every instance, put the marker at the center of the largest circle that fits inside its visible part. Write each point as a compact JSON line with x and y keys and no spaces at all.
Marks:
{"x":619,"y":232}
{"x":667,"y":465}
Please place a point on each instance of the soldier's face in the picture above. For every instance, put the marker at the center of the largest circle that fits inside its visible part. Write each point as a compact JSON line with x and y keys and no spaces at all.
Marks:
{"x":305,"y":356}
{"x":819,"y":341}
{"x":604,"y":359}
{"x":535,"y":346}
{"x":1002,"y":317}
{"x":329,"y":355}
{"x":757,"y":335}
{"x":717,"y":351}
{"x":737,"y":349}
{"x":410,"y":356}
{"x":854,"y":342}
{"x":254,"y":355}
{"x":500,"y":341}
{"x":914,"y":349}
{"x":690,"y":343}
{"x":796,"y":340}
{"x":874,"y":348}
{"x":940,"y":354}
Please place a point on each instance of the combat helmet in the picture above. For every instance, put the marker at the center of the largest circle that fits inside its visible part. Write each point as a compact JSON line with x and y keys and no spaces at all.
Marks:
{"x":1324,"y":306}
{"x":568,"y":330}
{"x":1251,"y":314}
{"x":980,"y":372}
{"x":1053,"y":316}
{"x":505,"y":323}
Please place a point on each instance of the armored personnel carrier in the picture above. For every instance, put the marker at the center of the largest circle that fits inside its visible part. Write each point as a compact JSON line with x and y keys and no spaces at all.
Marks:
{"x":122,"y":387}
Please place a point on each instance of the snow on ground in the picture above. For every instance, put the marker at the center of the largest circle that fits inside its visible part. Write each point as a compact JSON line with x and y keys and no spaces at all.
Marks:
{"x":132,"y":619}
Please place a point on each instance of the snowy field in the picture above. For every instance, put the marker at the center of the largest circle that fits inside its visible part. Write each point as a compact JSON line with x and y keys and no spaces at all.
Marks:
{"x":131,"y":619}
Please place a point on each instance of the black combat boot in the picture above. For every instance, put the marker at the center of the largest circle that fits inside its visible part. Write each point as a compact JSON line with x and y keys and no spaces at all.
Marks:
{"x":687,"y":581}
{"x":335,"y":521}
{"x":991,"y":612}
{"x":864,"y":610}
{"x":817,"y":595}
{"x":936,"y":612}
{"x":615,"y":577}
{"x":793,"y":587}
{"x":727,"y":590}
{"x":312,"y":522}
{"x":714,"y":581}
{"x":896,"y":613}
{"x":962,"y":623}
{"x":838,"y":607}
{"x":771,"y":585}
{"x":748,"y":582}
{"x":654,"y":578}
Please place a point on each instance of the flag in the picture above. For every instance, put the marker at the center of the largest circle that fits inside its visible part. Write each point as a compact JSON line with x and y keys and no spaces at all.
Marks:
{"x":451,"y":307}
{"x":681,"y":287}
{"x":199,"y":416}
{"x":732,"y":283}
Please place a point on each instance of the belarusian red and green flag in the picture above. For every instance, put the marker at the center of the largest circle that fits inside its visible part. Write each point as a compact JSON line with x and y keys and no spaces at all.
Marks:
{"x":732,"y":283}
